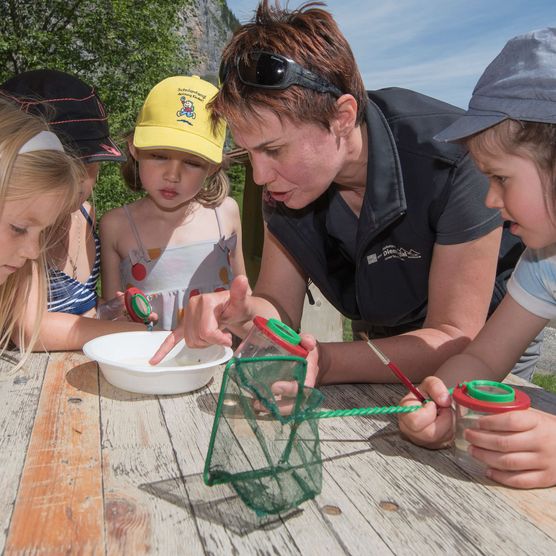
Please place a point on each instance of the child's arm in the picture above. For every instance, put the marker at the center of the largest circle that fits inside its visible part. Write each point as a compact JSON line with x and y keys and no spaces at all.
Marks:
{"x":109,"y":229}
{"x":63,"y":331}
{"x":519,"y":447}
{"x":490,"y":356}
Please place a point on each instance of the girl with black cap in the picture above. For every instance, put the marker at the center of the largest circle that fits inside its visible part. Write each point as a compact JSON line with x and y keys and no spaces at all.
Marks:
{"x":77,"y":116}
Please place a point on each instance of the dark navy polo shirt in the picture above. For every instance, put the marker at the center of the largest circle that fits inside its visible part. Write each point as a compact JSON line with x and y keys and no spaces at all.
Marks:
{"x":419,"y":192}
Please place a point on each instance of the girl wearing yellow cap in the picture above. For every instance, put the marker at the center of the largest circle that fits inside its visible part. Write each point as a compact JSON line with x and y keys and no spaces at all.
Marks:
{"x":184,"y":237}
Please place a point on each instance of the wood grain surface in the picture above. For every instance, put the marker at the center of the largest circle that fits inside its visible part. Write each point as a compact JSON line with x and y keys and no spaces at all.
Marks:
{"x":88,"y":468}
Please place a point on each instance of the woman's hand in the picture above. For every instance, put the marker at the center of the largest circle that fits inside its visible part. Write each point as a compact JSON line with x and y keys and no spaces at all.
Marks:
{"x":205,"y":318}
{"x":432,"y":426}
{"x":519,"y":447}
{"x":288,"y":389}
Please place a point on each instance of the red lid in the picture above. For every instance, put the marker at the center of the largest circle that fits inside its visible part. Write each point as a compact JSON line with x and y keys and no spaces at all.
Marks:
{"x":128,"y":300}
{"x":461,"y":395}
{"x":285,"y":339}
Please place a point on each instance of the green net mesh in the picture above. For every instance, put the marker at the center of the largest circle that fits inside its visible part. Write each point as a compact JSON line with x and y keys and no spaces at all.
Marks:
{"x":266,"y":446}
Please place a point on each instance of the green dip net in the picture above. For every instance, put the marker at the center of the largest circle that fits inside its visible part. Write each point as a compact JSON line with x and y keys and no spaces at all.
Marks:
{"x":266,"y":446}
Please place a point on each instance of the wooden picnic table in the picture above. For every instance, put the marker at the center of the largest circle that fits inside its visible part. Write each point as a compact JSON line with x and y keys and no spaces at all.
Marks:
{"x":87,"y":468}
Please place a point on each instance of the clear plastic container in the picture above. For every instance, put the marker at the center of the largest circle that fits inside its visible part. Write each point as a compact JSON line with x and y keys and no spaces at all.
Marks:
{"x":270,"y":338}
{"x":472,"y":401}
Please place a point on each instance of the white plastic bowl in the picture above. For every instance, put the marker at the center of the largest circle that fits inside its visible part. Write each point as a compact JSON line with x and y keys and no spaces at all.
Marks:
{"x":124,"y":357}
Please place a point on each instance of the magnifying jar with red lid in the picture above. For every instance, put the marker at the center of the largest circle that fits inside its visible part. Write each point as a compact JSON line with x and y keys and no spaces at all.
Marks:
{"x":472,"y":401}
{"x":138,"y":306}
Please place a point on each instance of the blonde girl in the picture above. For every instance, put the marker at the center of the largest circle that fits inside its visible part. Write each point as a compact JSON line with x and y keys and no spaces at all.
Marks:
{"x":38,"y":185}
{"x":184,"y":237}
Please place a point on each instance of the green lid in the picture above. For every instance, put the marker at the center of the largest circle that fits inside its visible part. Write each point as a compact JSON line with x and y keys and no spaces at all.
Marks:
{"x":283,"y":331}
{"x":141,"y":306}
{"x":490,"y":391}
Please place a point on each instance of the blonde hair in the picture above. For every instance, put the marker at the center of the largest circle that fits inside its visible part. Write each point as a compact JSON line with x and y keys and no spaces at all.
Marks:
{"x":25,"y":176}
{"x":215,"y":189}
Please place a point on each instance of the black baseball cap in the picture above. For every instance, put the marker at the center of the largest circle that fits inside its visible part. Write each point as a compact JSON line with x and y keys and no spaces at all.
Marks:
{"x":73,"y":110}
{"x":519,"y":84}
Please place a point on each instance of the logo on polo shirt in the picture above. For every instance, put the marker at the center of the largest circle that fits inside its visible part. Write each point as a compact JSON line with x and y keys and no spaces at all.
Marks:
{"x":391,"y":251}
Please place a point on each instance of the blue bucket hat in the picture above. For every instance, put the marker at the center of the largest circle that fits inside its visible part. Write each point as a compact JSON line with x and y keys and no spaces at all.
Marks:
{"x":519,"y":84}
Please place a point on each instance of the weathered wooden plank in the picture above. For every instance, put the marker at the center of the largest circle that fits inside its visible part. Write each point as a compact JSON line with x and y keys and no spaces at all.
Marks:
{"x":136,"y":451}
{"x":19,"y":395}
{"x":225,"y":524}
{"x":414,"y":497}
{"x":538,"y":505}
{"x":380,"y":495}
{"x":59,"y":504}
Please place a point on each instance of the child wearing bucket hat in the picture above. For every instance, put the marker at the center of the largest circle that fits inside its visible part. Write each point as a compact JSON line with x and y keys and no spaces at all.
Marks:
{"x":510,"y":130}
{"x":77,"y":116}
{"x":184,"y":237}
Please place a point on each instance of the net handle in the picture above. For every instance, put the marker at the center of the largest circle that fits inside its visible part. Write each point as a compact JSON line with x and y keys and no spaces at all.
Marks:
{"x":387,"y":410}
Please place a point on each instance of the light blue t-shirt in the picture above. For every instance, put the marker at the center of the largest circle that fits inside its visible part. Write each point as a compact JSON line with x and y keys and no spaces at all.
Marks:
{"x":533,"y":282}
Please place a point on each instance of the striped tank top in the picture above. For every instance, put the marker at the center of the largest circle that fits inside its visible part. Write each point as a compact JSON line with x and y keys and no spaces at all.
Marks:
{"x":68,"y":295}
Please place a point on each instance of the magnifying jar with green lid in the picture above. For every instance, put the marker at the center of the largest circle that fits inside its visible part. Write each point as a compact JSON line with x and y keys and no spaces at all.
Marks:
{"x":473,"y":400}
{"x":270,"y":337}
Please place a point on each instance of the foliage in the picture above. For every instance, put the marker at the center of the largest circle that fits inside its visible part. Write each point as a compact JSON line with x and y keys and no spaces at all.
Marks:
{"x":236,"y":173}
{"x":546,"y":381}
{"x":347,"y":333}
{"x":121,"y":47}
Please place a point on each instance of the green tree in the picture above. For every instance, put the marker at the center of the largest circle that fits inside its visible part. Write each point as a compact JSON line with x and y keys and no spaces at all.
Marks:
{"x":121,"y":47}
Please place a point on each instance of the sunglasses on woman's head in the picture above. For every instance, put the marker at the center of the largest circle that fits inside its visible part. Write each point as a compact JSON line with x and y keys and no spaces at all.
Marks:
{"x":274,"y":71}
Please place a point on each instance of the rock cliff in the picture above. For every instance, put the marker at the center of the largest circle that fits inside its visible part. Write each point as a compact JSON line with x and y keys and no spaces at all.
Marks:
{"x":206,"y":29}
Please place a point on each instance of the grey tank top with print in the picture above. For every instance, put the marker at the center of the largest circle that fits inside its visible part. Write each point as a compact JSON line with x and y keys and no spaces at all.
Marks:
{"x":171,"y":276}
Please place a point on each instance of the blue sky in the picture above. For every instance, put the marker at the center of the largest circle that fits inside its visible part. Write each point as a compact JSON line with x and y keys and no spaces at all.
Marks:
{"x":436,"y":47}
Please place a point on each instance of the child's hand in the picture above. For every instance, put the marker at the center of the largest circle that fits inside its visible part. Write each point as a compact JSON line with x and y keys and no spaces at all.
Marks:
{"x":518,"y":446}
{"x":432,"y":426}
{"x":166,"y":346}
{"x":113,"y":309}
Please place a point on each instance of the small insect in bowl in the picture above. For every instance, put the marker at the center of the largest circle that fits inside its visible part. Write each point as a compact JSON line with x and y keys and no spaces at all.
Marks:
{"x":123,"y":359}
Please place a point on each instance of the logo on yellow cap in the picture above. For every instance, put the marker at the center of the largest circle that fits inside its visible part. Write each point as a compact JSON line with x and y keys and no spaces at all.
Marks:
{"x":187,"y":109}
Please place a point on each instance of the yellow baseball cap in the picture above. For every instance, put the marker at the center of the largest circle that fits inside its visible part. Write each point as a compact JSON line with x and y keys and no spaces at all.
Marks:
{"x":175,"y":116}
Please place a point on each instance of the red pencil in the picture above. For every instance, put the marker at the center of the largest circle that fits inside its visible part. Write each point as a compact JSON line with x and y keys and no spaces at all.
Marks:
{"x":394,"y":369}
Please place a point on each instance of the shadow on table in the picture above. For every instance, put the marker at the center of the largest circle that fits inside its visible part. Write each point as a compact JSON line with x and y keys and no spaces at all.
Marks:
{"x":79,"y":378}
{"x":540,"y":398}
{"x":217,"y":504}
{"x":220,"y":504}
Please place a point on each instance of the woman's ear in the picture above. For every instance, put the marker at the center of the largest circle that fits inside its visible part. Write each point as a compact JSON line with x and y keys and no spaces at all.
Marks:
{"x":343,"y":122}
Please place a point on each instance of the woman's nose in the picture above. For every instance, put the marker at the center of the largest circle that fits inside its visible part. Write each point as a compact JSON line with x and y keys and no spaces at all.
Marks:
{"x":262,"y":173}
